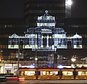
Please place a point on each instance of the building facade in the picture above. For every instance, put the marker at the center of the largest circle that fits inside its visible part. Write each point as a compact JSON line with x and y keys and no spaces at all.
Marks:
{"x":45,"y":36}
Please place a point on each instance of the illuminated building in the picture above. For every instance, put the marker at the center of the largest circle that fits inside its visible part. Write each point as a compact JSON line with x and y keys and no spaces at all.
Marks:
{"x":45,"y":36}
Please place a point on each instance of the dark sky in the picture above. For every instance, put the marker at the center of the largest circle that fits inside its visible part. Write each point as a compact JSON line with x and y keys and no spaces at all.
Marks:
{"x":79,"y":8}
{"x":15,"y":8}
{"x":11,"y":8}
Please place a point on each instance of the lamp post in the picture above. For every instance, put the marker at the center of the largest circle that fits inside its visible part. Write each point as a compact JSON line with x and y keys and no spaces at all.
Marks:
{"x":73,"y":60}
{"x":55,"y":58}
{"x":36,"y":59}
{"x":18,"y":62}
{"x":19,"y":54}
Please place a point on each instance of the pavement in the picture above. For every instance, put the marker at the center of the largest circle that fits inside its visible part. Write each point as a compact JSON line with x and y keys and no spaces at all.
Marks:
{"x":56,"y":81}
{"x":46,"y":82}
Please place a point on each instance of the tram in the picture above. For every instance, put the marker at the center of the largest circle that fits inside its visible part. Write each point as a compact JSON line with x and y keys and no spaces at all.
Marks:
{"x":82,"y":73}
{"x":53,"y":73}
{"x":27,"y":73}
{"x":48,"y":73}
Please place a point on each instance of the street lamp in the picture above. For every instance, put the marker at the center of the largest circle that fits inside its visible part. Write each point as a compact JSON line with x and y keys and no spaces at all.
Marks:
{"x":36,"y":58}
{"x":73,"y":60}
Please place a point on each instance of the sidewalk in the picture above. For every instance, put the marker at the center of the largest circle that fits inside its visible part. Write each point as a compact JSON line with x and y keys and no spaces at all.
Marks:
{"x":57,"y":81}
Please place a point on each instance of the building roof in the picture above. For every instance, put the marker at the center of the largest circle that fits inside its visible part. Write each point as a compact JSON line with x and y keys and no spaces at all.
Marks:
{"x":46,"y":17}
{"x":76,"y":36}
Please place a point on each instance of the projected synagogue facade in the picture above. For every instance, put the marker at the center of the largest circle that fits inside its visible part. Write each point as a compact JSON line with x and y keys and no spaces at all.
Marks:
{"x":45,"y":36}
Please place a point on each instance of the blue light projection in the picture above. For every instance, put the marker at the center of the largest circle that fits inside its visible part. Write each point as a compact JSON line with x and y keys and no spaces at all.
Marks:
{"x":45,"y":36}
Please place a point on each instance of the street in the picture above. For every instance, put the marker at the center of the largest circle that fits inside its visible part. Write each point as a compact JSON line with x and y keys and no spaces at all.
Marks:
{"x":46,"y":82}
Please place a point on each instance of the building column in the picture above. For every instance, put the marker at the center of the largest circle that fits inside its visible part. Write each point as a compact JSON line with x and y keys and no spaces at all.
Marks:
{"x":47,"y":40}
{"x":42,"y":41}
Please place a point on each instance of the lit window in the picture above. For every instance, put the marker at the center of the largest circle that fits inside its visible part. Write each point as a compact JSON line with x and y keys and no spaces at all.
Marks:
{"x":82,"y":73}
{"x":29,"y":73}
{"x":67,"y":73}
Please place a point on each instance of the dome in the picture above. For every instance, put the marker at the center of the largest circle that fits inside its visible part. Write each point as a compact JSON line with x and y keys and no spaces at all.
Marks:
{"x":14,"y":36}
{"x":46,"y":17}
{"x":46,"y":20}
{"x":77,"y":36}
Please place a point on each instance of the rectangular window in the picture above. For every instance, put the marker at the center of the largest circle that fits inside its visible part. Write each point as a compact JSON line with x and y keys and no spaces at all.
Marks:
{"x":29,"y":73}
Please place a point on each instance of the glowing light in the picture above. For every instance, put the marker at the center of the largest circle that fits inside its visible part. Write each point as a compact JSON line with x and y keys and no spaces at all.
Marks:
{"x":73,"y":59}
{"x":30,"y":66}
{"x":73,"y":66}
{"x":0,"y":59}
{"x":21,"y":79}
{"x":68,"y":2}
{"x":36,"y":58}
{"x":60,"y":66}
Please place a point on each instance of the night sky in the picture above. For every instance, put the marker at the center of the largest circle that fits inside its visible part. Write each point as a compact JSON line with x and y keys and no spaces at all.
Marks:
{"x":11,"y":8}
{"x":79,"y":8}
{"x":15,"y":8}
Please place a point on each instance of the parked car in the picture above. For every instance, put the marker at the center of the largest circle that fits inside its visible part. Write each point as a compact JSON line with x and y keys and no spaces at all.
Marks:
{"x":11,"y":77}
{"x":2,"y":77}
